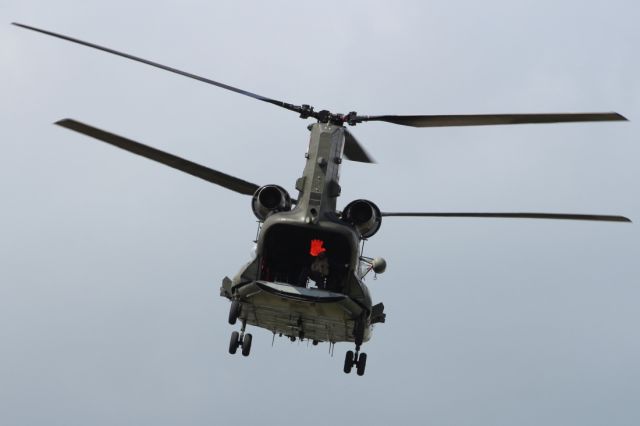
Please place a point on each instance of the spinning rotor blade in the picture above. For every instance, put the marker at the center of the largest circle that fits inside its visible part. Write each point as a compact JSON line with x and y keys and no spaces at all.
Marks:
{"x":405,"y":120}
{"x":210,"y":175}
{"x":594,"y":217}
{"x":166,"y":68}
{"x":353,"y":150}
{"x":491,"y":119}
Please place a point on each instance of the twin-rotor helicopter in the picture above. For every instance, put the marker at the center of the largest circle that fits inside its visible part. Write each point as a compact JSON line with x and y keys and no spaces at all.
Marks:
{"x":306,"y":277}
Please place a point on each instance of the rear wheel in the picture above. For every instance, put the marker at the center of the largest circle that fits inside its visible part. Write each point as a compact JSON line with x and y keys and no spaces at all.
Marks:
{"x":234,"y":312}
{"x":348,"y":362}
{"x":361,"y":364}
{"x":234,"y":342}
{"x":246,"y":344}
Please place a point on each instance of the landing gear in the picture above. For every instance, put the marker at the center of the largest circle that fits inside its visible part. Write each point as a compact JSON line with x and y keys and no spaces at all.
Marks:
{"x":240,"y":339}
{"x":357,"y":359}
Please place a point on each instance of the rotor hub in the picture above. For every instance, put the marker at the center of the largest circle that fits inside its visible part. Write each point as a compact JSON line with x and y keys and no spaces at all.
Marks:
{"x":325,"y":116}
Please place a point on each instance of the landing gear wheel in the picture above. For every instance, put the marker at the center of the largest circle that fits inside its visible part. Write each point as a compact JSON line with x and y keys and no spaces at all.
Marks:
{"x":234,"y":312}
{"x":234,"y":342}
{"x":246,"y":344}
{"x":361,"y":364}
{"x":348,"y":362}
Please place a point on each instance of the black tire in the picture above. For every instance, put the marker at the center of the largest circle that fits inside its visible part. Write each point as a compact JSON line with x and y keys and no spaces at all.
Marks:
{"x":348,"y":362}
{"x":234,"y":342}
{"x":246,"y":344}
{"x":234,"y":312}
{"x":361,"y":364}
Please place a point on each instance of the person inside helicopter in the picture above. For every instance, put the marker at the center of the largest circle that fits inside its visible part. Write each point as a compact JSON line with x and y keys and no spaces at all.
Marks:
{"x":318,"y":271}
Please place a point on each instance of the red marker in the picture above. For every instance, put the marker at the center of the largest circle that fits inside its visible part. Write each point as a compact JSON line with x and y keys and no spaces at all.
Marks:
{"x":316,"y":247}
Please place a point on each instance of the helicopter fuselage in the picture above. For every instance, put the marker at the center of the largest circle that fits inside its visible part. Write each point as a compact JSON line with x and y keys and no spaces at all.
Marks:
{"x":275,"y":289}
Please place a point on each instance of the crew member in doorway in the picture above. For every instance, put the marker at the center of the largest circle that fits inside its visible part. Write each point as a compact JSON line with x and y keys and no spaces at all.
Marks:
{"x":320,"y":270}
{"x":318,"y":267}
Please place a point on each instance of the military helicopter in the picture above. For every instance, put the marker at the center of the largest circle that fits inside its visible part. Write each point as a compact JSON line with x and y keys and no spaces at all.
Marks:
{"x":306,"y":277}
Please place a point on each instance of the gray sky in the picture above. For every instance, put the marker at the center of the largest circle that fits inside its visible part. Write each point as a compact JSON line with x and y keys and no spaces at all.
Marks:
{"x":110,"y":264}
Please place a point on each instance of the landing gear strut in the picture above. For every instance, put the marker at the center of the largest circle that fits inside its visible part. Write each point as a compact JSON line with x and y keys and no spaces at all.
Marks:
{"x":240,"y":339}
{"x":357,"y":359}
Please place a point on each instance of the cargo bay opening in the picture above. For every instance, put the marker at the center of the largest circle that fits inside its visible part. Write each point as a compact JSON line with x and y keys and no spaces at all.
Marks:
{"x":305,"y":257}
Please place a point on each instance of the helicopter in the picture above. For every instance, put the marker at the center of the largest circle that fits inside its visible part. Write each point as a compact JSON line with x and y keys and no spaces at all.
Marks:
{"x":306,"y":276}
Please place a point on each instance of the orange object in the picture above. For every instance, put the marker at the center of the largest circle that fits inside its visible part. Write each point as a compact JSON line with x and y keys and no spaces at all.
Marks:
{"x":316,"y":247}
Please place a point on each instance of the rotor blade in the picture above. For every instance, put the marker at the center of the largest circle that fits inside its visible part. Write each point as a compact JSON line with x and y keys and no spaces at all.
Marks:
{"x":602,"y":218}
{"x":285,"y":105}
{"x":491,"y":119}
{"x":353,"y":150}
{"x":210,"y":175}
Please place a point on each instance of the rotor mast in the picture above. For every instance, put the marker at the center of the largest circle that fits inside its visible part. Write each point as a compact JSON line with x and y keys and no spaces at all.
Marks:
{"x":319,"y":185}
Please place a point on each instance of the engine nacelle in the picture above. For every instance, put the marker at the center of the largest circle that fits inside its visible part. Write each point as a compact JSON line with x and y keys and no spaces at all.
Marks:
{"x":364,"y":215}
{"x":270,"y":199}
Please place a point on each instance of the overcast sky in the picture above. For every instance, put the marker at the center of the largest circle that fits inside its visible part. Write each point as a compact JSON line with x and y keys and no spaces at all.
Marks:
{"x":110,"y":264}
